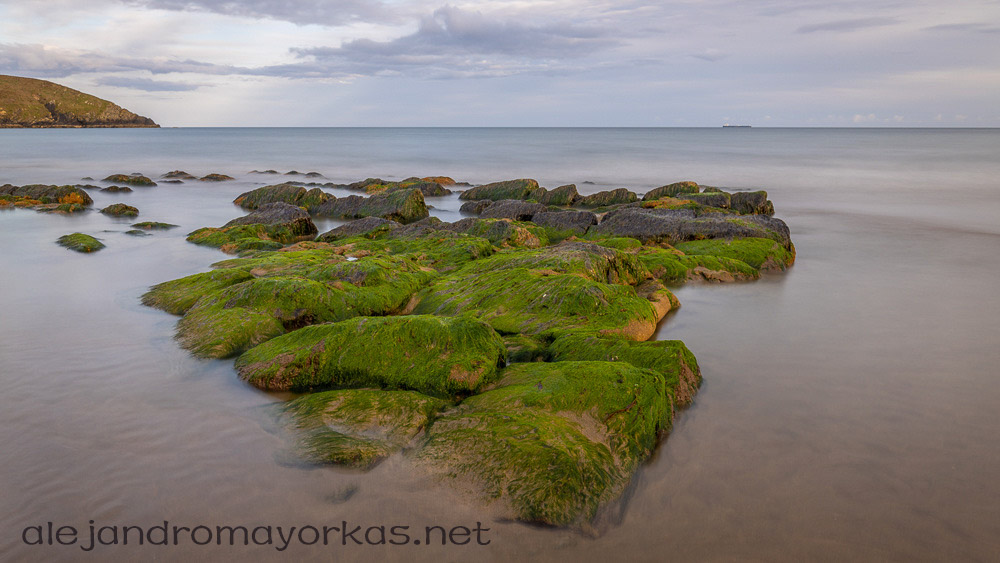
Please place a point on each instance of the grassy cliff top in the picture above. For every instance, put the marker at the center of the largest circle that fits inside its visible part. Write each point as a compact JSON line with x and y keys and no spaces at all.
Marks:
{"x":28,"y":102}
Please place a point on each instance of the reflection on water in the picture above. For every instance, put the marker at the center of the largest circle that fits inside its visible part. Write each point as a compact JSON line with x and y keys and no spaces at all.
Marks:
{"x":848,"y":411}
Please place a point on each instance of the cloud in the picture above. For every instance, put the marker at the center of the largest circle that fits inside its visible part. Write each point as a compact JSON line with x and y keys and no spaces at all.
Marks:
{"x":966,"y":28}
{"x":42,"y":61}
{"x":848,"y":25}
{"x":456,"y":42}
{"x":302,"y":12}
{"x":146,"y":84}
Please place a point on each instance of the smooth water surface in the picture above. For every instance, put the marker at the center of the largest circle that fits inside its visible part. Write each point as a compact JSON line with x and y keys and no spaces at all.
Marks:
{"x":850,"y":410}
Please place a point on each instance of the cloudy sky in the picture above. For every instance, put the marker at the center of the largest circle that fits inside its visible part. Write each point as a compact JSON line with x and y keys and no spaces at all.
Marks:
{"x":519,"y":62}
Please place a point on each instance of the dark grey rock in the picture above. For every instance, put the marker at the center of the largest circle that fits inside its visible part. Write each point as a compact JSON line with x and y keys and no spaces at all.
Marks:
{"x":751,"y":203}
{"x":678,"y":225}
{"x":476,"y":207}
{"x":576,"y":221}
{"x":512,"y":209}
{"x":367,"y":226}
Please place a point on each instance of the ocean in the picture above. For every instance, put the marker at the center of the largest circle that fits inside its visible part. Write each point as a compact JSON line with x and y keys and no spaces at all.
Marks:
{"x":850,"y":407}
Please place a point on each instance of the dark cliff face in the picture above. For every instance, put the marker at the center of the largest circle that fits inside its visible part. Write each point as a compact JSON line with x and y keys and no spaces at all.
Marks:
{"x":27,"y":102}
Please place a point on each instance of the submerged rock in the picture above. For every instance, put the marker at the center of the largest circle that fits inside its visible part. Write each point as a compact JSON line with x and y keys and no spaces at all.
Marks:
{"x":80,"y":242}
{"x":179,"y":175}
{"x":437,"y":356}
{"x":117,"y":189}
{"x":356,"y":427}
{"x":153,"y":226}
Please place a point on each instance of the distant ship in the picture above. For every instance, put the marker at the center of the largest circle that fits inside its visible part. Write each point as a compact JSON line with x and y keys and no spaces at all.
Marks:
{"x":728,"y":125}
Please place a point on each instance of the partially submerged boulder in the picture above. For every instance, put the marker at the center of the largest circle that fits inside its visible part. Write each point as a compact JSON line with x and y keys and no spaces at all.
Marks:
{"x":131,"y":179}
{"x":216,"y":177}
{"x":267,"y":228}
{"x":80,"y":242}
{"x":438,"y":356}
{"x":179,"y":175}
{"x":153,"y":226}
{"x":117,"y":189}
{"x":120,"y":210}
{"x":551,"y":443}
{"x":751,"y":203}
{"x":285,"y":193}
{"x":46,"y":194}
{"x":496,"y":191}
{"x":356,"y":427}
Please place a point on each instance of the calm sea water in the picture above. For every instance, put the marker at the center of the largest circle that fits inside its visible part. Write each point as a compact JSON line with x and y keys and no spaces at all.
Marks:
{"x":851,"y":407}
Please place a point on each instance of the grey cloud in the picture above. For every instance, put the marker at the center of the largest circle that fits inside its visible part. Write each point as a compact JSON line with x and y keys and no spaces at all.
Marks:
{"x":456,"y":42}
{"x":55,"y":63}
{"x":848,"y":25}
{"x":147,"y":85}
{"x":966,"y":28}
{"x":302,"y":12}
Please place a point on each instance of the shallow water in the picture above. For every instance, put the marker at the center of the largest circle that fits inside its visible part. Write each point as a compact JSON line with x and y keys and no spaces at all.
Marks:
{"x":849,"y":409}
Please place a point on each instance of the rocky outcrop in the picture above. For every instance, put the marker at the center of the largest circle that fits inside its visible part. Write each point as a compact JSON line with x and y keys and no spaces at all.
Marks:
{"x":404,"y":206}
{"x":269,"y":227}
{"x":28,"y":102}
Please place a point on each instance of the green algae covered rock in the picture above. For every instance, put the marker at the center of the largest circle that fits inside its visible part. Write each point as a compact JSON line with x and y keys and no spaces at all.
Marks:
{"x":672,"y":190}
{"x":760,"y":253}
{"x":502,"y":232}
{"x":80,"y":242}
{"x":120,"y":210}
{"x":403,"y":206}
{"x":551,"y":443}
{"x":35,"y":194}
{"x":674,"y":267}
{"x":563,"y":195}
{"x":356,"y":427}
{"x":284,"y":193}
{"x":496,"y":191}
{"x":568,"y":286}
{"x":670,"y":358}
{"x":610,"y":197}
{"x":276,"y":224}
{"x":153,"y":226}
{"x":272,"y":302}
{"x":133,"y":179}
{"x":438,"y":356}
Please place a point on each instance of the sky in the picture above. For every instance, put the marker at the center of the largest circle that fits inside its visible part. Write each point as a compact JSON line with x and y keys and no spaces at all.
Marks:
{"x":685,"y":63}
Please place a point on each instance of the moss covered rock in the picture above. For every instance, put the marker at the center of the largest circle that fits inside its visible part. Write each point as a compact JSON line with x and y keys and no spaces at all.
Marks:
{"x":216,"y":177}
{"x":558,"y":288}
{"x":563,"y":195}
{"x":153,"y":226}
{"x":438,"y":356}
{"x":369,"y":227}
{"x":672,"y":190}
{"x":130,"y":179}
{"x":610,"y":197}
{"x":291,"y":194}
{"x":37,"y":194}
{"x":80,"y":242}
{"x":670,"y":358}
{"x":403,"y":206}
{"x":496,"y":191}
{"x":751,"y":203}
{"x":117,"y":189}
{"x":267,"y":228}
{"x":356,"y":427}
{"x":512,"y":209}
{"x":760,"y":253}
{"x":120,"y":210}
{"x":551,"y":443}
{"x":501,"y":232}
{"x":678,"y":225}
